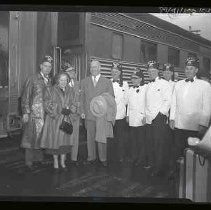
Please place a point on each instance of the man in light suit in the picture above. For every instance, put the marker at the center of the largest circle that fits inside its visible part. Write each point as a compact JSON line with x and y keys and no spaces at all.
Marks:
{"x":191,"y":107}
{"x":91,"y":87}
{"x":158,"y":98}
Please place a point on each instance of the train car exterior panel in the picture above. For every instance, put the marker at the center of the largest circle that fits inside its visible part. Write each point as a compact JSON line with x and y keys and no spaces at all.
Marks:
{"x":100,"y":42}
{"x":132,"y":48}
{"x":162,"y":53}
{"x":126,"y":24}
{"x":27,"y":55}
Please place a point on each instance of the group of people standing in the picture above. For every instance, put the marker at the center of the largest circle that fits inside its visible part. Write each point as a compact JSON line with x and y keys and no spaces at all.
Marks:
{"x":157,"y":118}
{"x":45,"y":105}
{"x":161,"y":114}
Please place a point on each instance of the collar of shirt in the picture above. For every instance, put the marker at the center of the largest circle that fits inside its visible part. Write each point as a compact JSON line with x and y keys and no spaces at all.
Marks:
{"x":154,"y":80}
{"x":157,"y":79}
{"x":45,"y":78}
{"x":115,"y":80}
{"x":71,"y":83}
{"x":191,"y":80}
{"x":97,"y":77}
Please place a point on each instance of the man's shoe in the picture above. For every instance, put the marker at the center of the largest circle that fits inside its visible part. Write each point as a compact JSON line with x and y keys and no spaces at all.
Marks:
{"x":75,"y":163}
{"x":29,"y":168}
{"x":104,"y":163}
{"x":147,"y":167}
{"x":89,"y":162}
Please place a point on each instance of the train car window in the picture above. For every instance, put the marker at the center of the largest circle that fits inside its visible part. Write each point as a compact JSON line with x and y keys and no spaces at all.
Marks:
{"x":173,"y":56}
{"x":206,"y":64}
{"x":117,"y":46}
{"x":69,"y":29}
{"x":4,"y":48}
{"x":148,"y":51}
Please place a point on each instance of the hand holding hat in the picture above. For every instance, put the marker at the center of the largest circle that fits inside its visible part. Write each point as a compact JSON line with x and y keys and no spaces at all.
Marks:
{"x":98,"y":106}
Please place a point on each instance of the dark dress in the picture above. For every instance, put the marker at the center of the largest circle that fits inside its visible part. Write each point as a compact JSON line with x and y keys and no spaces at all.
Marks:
{"x":54,"y":140}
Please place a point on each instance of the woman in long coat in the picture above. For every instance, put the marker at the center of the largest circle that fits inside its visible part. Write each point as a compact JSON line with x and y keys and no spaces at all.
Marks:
{"x":58,"y":103}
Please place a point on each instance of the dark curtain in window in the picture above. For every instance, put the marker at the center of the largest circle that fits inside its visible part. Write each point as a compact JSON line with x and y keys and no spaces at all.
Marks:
{"x":148,"y":51}
{"x":44,"y":32}
{"x":117,"y":48}
{"x":173,"y":56}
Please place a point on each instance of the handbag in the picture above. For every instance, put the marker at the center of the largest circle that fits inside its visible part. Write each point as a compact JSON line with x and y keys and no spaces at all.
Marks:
{"x":66,"y":127}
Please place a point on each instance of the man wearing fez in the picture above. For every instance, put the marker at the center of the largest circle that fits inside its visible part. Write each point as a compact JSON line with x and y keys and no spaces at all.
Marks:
{"x":176,"y":76}
{"x":33,"y":112}
{"x":168,"y":74}
{"x":93,"y":86}
{"x":71,"y":71}
{"x":120,"y":88}
{"x":190,"y":108}
{"x":158,"y":98}
{"x":136,"y":117}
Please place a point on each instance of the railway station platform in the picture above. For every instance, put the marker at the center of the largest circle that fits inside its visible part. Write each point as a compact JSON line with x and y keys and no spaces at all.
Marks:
{"x":115,"y":180}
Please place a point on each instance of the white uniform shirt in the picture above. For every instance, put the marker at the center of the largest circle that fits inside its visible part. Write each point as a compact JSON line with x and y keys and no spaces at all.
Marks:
{"x":136,"y":105}
{"x":191,"y":104}
{"x":71,"y":83}
{"x":120,"y":98}
{"x":172,"y":84}
{"x":158,"y":99}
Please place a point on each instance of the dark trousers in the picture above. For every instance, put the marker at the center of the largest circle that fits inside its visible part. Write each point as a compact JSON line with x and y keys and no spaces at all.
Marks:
{"x":170,"y":151}
{"x":120,"y":138}
{"x":137,"y":137}
{"x":181,"y":141}
{"x":156,"y":143}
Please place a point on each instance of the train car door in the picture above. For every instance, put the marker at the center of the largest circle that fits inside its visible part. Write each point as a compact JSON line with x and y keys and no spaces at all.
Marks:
{"x":71,"y":40}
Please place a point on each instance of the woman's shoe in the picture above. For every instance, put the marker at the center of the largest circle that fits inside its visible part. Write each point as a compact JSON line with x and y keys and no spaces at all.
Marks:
{"x":56,"y":165}
{"x":63,"y":165}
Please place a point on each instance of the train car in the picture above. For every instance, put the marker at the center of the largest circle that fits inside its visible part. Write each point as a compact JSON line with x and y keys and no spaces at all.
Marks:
{"x":129,"y":38}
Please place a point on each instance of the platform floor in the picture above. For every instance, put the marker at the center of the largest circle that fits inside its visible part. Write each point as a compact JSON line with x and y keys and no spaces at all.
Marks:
{"x":116,"y":180}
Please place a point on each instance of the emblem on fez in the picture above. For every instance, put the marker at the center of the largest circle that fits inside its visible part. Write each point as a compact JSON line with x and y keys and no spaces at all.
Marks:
{"x":151,"y":63}
{"x":115,"y":65}
{"x":49,"y":58}
{"x":167,"y":67}
{"x":189,"y":62}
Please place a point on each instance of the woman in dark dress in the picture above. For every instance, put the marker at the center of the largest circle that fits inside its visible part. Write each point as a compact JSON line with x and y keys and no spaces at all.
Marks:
{"x":58,"y":104}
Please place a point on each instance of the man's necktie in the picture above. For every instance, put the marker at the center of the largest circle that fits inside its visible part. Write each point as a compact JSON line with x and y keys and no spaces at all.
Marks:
{"x":189,"y":80}
{"x":95,"y":81}
{"x":46,"y":78}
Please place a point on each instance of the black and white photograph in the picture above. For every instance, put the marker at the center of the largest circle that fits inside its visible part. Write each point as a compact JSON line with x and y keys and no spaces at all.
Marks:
{"x":105,"y":104}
